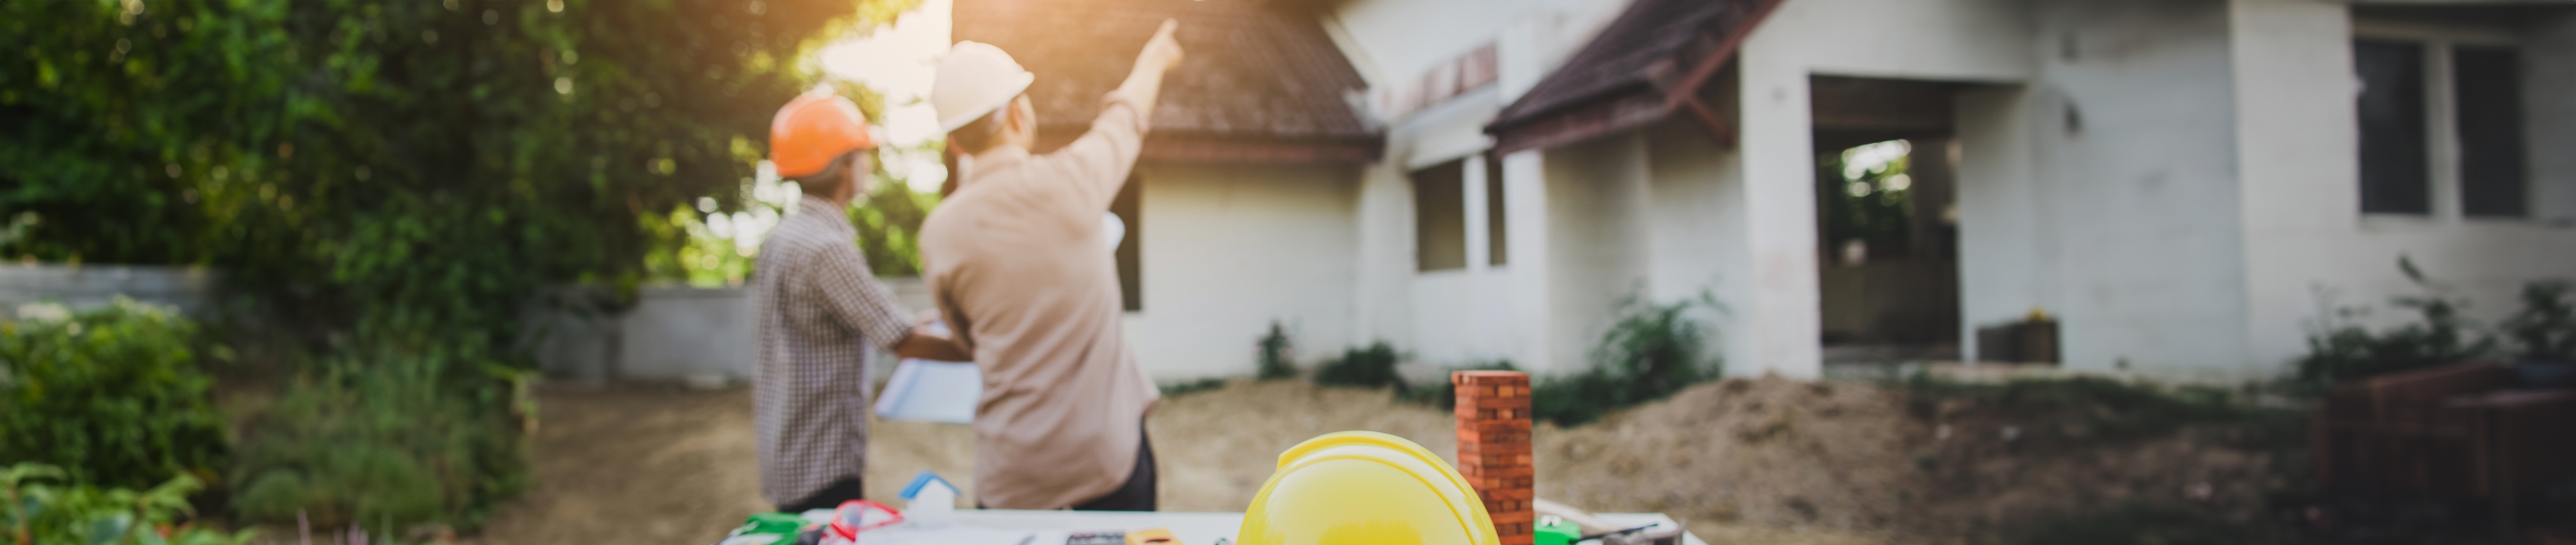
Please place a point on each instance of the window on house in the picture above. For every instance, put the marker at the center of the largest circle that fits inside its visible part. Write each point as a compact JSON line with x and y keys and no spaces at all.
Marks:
{"x":2487,"y":82}
{"x":1496,"y":244}
{"x":1440,"y":217}
{"x":1131,"y":266}
{"x":2395,"y":171}
{"x":2441,"y":123}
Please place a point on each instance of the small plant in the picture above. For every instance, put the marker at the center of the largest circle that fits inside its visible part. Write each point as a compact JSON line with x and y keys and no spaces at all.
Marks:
{"x":2545,"y":328}
{"x":2340,"y":348}
{"x":395,"y":440}
{"x":1652,"y":351}
{"x":1276,"y":354}
{"x":36,"y":512}
{"x":111,"y":396}
{"x":1371,"y":367}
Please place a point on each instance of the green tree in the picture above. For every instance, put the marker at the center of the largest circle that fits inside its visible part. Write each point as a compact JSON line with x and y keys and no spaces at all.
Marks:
{"x":392,"y":179}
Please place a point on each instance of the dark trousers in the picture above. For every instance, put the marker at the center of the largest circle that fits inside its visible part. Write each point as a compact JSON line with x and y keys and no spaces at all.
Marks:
{"x":1138,"y":493}
{"x":829,"y":497}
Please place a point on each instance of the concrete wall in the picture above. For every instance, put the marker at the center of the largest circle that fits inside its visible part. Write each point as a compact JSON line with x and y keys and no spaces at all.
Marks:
{"x":191,"y":290}
{"x":1229,"y":249}
{"x":1696,"y":235}
{"x":1596,"y":203}
{"x":2301,"y":203}
{"x":2145,"y":185}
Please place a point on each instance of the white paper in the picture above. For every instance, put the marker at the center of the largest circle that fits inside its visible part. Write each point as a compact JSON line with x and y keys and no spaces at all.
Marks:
{"x":932,"y":391}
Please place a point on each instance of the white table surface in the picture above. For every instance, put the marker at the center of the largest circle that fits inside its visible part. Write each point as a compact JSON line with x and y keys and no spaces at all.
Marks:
{"x":1193,"y":528}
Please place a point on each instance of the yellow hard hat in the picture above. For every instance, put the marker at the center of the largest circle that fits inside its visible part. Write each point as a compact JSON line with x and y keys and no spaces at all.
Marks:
{"x":1365,"y":488}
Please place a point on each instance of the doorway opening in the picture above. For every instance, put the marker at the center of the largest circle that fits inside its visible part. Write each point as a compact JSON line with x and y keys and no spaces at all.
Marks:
{"x":1886,"y":220}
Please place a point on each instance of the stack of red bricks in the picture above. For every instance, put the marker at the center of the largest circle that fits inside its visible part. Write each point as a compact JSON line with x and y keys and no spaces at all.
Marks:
{"x":1494,"y":448}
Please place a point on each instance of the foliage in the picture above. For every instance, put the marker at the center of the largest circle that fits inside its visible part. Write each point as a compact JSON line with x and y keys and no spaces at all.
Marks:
{"x":1277,"y":358}
{"x":35,"y":512}
{"x":2340,"y":348}
{"x":1649,"y":352}
{"x":388,"y":442}
{"x":1371,"y":367}
{"x":889,"y":226}
{"x":393,"y":178}
{"x":2545,"y":328}
{"x":1864,"y":194}
{"x":112,"y":396}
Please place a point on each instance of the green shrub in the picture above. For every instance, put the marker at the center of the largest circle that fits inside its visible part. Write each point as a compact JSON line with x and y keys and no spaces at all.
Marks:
{"x":1371,"y":367}
{"x":2545,"y":328}
{"x":399,"y":441}
{"x":1275,"y":355}
{"x":34,"y":512}
{"x":2341,"y":349}
{"x":1651,"y":351}
{"x":112,"y":396}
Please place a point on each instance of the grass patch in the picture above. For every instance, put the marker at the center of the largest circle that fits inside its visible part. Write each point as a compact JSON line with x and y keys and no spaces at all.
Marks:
{"x":2103,"y":409}
{"x":2148,"y":524}
{"x":1177,"y":389}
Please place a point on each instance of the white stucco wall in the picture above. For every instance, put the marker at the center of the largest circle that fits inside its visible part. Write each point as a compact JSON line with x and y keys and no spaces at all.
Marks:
{"x":1696,"y":235}
{"x":2304,"y":228}
{"x":2144,"y":168}
{"x":1402,"y":39}
{"x":1228,"y":249}
{"x":1955,"y":40}
{"x":1596,"y":205}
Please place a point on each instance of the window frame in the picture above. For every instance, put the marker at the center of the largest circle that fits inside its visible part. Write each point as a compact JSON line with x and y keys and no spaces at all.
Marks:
{"x":2442,"y":138}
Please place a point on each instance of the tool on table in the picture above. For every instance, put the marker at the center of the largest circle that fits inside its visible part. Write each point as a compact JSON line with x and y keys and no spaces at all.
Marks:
{"x":1096,"y":538}
{"x":856,"y":516}
{"x":1157,"y":536}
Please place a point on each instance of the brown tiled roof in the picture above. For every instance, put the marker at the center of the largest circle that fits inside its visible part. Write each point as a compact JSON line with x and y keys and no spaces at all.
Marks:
{"x":1252,"y":71}
{"x":1652,"y":47}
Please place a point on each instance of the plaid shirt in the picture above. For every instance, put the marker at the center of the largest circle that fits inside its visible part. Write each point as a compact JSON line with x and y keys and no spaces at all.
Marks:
{"x":820,"y":310}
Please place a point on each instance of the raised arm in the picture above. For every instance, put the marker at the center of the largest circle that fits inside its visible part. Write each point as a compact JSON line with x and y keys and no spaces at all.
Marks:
{"x":1145,"y":83}
{"x":1106,"y":154}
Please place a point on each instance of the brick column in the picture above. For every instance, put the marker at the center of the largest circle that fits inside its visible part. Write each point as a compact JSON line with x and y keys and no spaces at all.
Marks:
{"x":1494,"y":448}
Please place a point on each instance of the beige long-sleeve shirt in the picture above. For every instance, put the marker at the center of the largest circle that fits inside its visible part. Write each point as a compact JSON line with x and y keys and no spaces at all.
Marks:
{"x":1014,"y":260}
{"x":820,"y":312}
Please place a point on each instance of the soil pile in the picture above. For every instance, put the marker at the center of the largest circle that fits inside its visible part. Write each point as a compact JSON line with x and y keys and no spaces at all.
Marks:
{"x":1876,"y":461}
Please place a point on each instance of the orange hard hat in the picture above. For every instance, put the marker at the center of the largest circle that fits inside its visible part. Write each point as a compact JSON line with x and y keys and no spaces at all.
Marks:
{"x":813,"y":130}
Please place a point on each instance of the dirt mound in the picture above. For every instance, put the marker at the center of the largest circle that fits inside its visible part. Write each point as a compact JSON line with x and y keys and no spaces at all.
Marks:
{"x":1872,"y":460}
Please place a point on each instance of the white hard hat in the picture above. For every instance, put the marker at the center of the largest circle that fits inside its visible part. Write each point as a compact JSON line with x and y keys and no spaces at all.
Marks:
{"x":975,"y":79}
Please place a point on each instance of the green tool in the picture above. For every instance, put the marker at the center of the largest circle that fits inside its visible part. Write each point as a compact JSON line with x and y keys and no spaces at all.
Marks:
{"x":1556,"y":531}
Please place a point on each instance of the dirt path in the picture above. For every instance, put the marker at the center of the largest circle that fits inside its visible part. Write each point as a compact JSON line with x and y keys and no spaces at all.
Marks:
{"x":1761,"y":461}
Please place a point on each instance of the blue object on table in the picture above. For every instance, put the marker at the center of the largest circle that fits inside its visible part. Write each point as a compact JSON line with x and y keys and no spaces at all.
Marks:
{"x":926,"y":478}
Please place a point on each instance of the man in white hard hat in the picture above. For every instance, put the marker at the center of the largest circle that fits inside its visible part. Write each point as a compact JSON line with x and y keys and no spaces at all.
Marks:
{"x":1014,"y":261}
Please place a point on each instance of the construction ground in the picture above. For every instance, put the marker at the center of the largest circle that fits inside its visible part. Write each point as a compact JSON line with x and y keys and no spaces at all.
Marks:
{"x":1741,"y":461}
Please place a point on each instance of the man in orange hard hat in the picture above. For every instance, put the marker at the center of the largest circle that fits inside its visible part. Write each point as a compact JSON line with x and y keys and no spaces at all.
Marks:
{"x":1014,"y":259}
{"x":821,"y":313}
